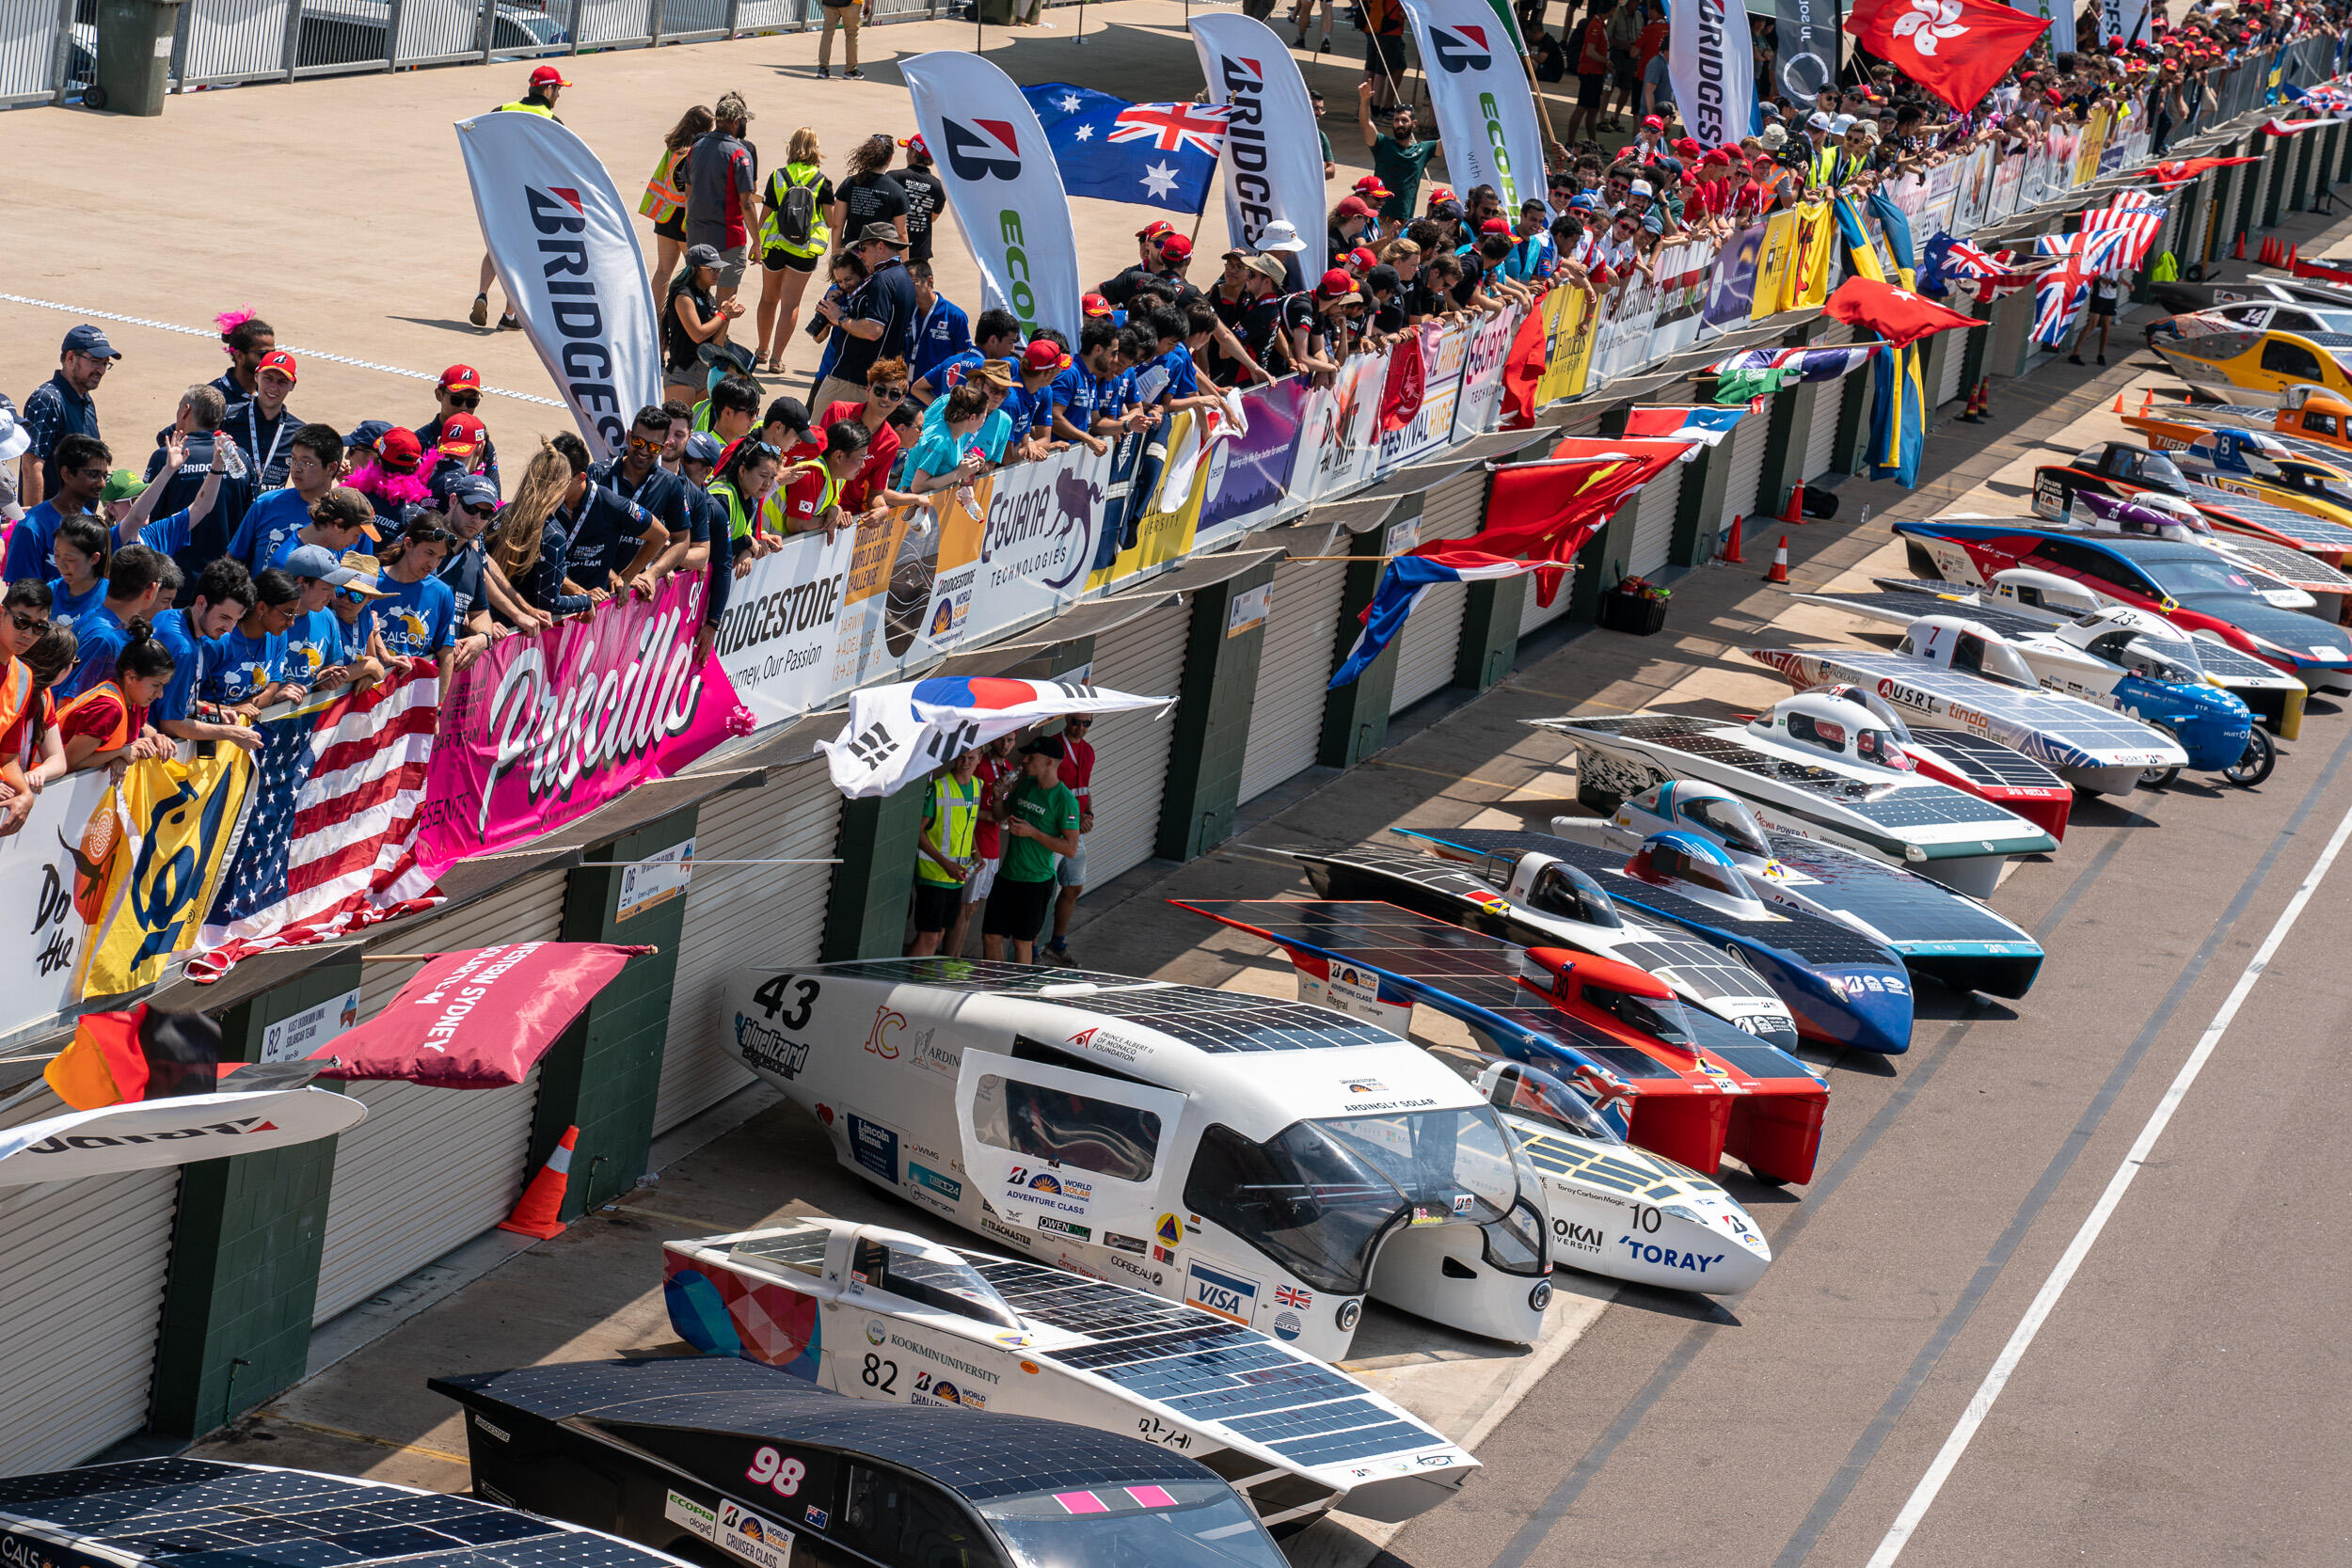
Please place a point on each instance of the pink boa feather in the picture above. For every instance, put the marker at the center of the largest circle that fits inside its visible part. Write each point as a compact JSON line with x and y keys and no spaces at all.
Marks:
{"x":399,"y":489}
{"x":228,"y":321}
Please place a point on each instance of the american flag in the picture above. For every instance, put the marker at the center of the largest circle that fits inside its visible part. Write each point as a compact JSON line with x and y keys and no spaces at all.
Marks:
{"x":1172,"y":126}
{"x":2118,"y":237}
{"x":328,"y":843}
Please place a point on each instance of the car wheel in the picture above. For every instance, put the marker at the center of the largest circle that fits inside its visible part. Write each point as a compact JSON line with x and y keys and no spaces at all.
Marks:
{"x":2255,"y":764}
{"x":94,"y":97}
{"x":2157,"y":777}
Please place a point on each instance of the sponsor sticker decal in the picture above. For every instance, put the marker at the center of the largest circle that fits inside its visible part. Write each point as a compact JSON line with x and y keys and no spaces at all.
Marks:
{"x":1221,"y":1290}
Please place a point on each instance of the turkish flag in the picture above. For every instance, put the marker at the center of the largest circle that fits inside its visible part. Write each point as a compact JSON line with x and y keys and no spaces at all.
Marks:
{"x":477,"y":1020}
{"x":1897,"y":315}
{"x":1545,"y":509}
{"x":1400,"y":397}
{"x":1958,"y":50}
{"x":1522,"y":368}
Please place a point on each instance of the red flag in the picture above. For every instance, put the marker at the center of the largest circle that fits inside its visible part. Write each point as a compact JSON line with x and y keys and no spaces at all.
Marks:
{"x":120,"y":1058}
{"x":1897,"y":315}
{"x":478,"y":1019}
{"x":1544,"y":511}
{"x":1521,"y":368}
{"x":1958,"y":50}
{"x":2177,"y":172}
{"x":1400,"y":397}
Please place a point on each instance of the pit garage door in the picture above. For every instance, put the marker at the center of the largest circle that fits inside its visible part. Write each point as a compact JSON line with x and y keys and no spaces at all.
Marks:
{"x":1146,"y":658}
{"x":82,"y":1267}
{"x":740,"y":915}
{"x":1748,"y":440}
{"x":431,"y":1169}
{"x":1947,"y":380}
{"x":1454,"y":509}
{"x":1654,"y":509}
{"x":1820,"y":442}
{"x":1300,"y":652}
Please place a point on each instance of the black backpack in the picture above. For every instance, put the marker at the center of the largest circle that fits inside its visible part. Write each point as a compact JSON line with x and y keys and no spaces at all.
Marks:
{"x":796,"y":213}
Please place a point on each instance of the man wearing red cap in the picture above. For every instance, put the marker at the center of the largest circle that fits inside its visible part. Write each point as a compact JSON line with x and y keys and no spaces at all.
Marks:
{"x":1350,"y":221}
{"x":460,"y":392}
{"x":1148,"y":263}
{"x":262,"y":425}
{"x":547,"y":85}
{"x":927,"y":198}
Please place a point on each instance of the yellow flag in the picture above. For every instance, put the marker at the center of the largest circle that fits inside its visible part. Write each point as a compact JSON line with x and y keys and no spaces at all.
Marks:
{"x":152,"y":861}
{"x":1817,"y":242}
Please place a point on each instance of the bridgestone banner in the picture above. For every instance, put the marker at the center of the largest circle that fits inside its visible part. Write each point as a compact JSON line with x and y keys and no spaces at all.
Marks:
{"x":1003,"y":183}
{"x":1713,"y":68}
{"x":1273,"y":155}
{"x":1486,"y":109}
{"x":568,"y":258}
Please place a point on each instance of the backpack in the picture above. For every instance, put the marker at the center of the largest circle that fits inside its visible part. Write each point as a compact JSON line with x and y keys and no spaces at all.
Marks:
{"x":796,"y":214}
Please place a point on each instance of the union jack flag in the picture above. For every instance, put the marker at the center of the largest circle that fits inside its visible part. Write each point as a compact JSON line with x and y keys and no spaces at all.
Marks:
{"x":2058,"y":300}
{"x":1171,"y":127}
{"x":1290,"y":1296}
{"x":329,"y":840}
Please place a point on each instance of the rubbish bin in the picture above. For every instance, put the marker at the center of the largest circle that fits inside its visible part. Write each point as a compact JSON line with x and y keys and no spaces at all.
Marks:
{"x":134,"y":55}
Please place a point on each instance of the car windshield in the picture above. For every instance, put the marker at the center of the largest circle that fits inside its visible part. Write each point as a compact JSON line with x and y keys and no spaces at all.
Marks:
{"x":1659,"y":1016}
{"x":1733,"y":821}
{"x":2164,"y":660}
{"x":2188,"y":574}
{"x":1534,"y":1094}
{"x":1565,"y":890}
{"x":1883,"y":750}
{"x":2160,"y":470}
{"x":934,"y":1277}
{"x":1180,"y":1524}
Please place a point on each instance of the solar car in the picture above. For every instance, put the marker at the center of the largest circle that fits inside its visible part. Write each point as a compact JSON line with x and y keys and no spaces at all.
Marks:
{"x":880,"y":1314}
{"x":2259,"y":362}
{"x":728,"y":1463}
{"x":1277,"y":1160}
{"x":2123,"y":470}
{"x":2310,"y":420}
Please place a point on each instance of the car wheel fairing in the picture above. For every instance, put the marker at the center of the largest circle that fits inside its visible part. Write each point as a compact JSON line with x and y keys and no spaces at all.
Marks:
{"x":1440,"y":1273}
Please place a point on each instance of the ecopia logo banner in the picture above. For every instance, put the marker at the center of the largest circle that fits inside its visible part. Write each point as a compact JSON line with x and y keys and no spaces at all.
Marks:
{"x":1486,"y":110}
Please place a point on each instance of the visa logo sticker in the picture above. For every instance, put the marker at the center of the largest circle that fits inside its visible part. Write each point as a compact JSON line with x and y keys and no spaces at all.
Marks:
{"x":1227,"y":1295}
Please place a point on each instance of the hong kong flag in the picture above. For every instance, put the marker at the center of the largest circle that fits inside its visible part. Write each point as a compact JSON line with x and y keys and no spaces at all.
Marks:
{"x":1956,"y":48}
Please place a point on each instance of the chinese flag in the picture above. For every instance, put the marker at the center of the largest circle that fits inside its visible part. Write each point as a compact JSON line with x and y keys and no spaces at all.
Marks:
{"x":1897,"y":315}
{"x":1958,"y":50}
{"x":1544,"y":511}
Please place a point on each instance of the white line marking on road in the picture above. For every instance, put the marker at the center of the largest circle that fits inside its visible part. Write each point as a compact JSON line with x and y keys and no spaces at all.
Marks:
{"x":1981,"y":1404}
{"x":298,"y":353}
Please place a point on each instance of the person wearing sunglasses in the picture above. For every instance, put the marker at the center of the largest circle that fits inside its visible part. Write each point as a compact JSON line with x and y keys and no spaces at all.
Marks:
{"x":635,"y":474}
{"x":83,"y":464}
{"x":460,"y":392}
{"x":887,"y":385}
{"x":484,"y":603}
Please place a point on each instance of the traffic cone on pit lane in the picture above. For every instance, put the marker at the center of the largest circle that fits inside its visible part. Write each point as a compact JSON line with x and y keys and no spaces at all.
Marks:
{"x":1794,"y":512}
{"x":1730,"y":555}
{"x":536,"y":1211}
{"x":1780,"y":563}
{"x":2237,"y":251}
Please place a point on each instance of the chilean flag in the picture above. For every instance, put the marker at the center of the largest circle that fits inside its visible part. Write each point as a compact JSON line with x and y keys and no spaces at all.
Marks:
{"x":898,"y":733}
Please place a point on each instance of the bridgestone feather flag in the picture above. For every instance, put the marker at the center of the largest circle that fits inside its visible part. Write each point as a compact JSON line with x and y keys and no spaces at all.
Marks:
{"x":566,"y":254}
{"x":1004,"y":184}
{"x":1486,"y":110}
{"x":1272,"y":149}
{"x":1713,"y":69}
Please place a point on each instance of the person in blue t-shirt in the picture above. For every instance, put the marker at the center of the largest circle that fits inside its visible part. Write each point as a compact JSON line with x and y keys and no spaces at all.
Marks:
{"x":942,"y":330}
{"x":138,"y":583}
{"x":251,"y":671}
{"x":224,"y":596}
{"x":277,"y":516}
{"x":80,"y":585}
{"x":84,"y":465}
{"x":318,"y":649}
{"x":417,"y":617}
{"x":1079,"y":389}
{"x":1030,"y":406}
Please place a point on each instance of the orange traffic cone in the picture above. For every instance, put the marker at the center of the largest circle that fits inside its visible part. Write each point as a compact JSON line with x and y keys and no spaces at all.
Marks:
{"x":1794,"y":512}
{"x":1730,"y":552}
{"x":1984,"y":397}
{"x":1780,"y":563}
{"x":536,"y":1211}
{"x":1973,"y":413}
{"x":2237,"y":251}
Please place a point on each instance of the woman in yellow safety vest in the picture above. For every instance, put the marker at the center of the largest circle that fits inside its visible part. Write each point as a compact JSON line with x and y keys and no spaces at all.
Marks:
{"x":744,"y":480}
{"x":951,"y":817}
{"x":666,"y":191}
{"x":793,"y":235}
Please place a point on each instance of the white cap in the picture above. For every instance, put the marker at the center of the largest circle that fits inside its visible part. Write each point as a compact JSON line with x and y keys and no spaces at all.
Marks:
{"x":1842,"y":124}
{"x":1279,"y":236}
{"x":1818,"y":120}
{"x":1641,"y":187}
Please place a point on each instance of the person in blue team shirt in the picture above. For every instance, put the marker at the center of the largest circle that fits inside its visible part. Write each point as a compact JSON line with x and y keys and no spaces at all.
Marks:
{"x":82,"y":466}
{"x":1078,"y":390}
{"x":340,"y":523}
{"x":315,"y":458}
{"x":262,"y":427}
{"x":997,"y":336}
{"x":223,"y":597}
{"x":317,"y":651}
{"x":138,"y":582}
{"x":80,"y":585}
{"x":942,"y":330}
{"x":1533,"y":258}
{"x":250,"y":673}
{"x":594,"y":520}
{"x":1030,"y":406}
{"x":417,"y":617}
{"x":635,"y":474}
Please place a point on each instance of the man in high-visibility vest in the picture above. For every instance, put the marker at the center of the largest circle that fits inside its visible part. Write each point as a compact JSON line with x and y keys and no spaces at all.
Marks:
{"x":547,"y":85}
{"x":951,"y":812}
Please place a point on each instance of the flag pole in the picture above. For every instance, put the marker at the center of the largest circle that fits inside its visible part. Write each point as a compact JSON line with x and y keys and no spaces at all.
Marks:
{"x":1082,"y":20}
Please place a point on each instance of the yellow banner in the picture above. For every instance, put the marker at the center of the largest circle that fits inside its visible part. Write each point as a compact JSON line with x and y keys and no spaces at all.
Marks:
{"x":1817,"y":242}
{"x":1773,"y":264}
{"x":1164,"y":536}
{"x":1567,"y":344}
{"x":2094,"y":141}
{"x":150,"y":861}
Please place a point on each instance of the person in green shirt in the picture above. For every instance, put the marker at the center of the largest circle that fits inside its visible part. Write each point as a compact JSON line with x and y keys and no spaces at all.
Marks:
{"x":951,"y":810}
{"x":1040,"y":818}
{"x":1396,"y":158}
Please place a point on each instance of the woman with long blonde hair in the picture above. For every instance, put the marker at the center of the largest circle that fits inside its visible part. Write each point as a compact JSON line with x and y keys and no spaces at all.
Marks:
{"x":519,"y":534}
{"x":793,"y":236}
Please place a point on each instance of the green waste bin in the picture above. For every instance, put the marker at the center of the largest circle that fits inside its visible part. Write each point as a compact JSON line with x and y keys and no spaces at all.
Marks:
{"x":134,"y":55}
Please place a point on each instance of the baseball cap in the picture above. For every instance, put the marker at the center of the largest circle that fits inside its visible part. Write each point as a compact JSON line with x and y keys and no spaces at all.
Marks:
{"x":123,"y":485}
{"x":702,"y":256}
{"x":1686,"y":147}
{"x":400,"y":450}
{"x":547,"y":76}
{"x":1768,"y":109}
{"x":1383,"y":277}
{"x":461,"y":436}
{"x":461,"y":375}
{"x":1495,"y":225}
{"x":1354,"y":207}
{"x":1095,"y":305}
{"x":917,"y":147}
{"x":1818,"y":120}
{"x":1359,"y":257}
{"x":1440,"y":193}
{"x":1654,"y":123}
{"x":1265,"y":266}
{"x":1176,"y":248}
{"x":474,"y":490}
{"x":279,"y":360}
{"x":701,"y":447}
{"x":1045,"y":355}
{"x":1371,"y":189}
{"x":91,"y":341}
{"x":1045,"y":746}
{"x":1156,"y":229}
{"x":1279,"y":236}
{"x":1587,"y":201}
{"x":1446,"y":209}
{"x":1335,"y":283}
{"x":1653,"y":223}
{"x":367,"y":433}
{"x":1842,"y":124}
{"x":317,"y":560}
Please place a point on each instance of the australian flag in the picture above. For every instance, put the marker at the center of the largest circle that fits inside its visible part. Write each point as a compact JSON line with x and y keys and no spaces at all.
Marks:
{"x":1154,"y":154}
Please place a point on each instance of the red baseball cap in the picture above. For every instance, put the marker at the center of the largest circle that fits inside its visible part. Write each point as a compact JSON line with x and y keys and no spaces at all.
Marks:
{"x":1042,"y":356}
{"x":1155,"y":229}
{"x":1334,"y":284}
{"x":1359,"y":257}
{"x":547,"y":76}
{"x":916,"y":146}
{"x":1175,"y":247}
{"x":462,"y":436}
{"x":461,"y":375}
{"x":400,"y":450}
{"x":1655,"y":123}
{"x":1441,"y":193}
{"x":279,"y":360}
{"x":1495,"y":225}
{"x":1354,"y":207}
{"x":1371,"y":189}
{"x":1095,"y":305}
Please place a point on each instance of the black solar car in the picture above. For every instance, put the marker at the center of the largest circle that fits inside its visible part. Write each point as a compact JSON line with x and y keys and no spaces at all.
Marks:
{"x":725,"y":1463}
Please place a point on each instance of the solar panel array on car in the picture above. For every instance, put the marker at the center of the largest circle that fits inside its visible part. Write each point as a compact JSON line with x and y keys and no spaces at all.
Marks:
{"x":2066,"y":718}
{"x":1888,"y":897}
{"x":1205,"y":1368}
{"x":2316,"y":532}
{"x":1215,"y":1021}
{"x":200,"y":1514}
{"x":2300,"y":568}
{"x":1002,"y":1456}
{"x":1985,"y":761}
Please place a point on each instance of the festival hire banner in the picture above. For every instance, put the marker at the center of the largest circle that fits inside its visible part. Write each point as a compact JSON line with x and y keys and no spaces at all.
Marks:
{"x":150,"y":858}
{"x":566,"y":253}
{"x":1004,"y":185}
{"x":543,"y":729}
{"x":1712,"y":67}
{"x":1807,"y":37}
{"x":1272,"y":149}
{"x":1486,"y":111}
